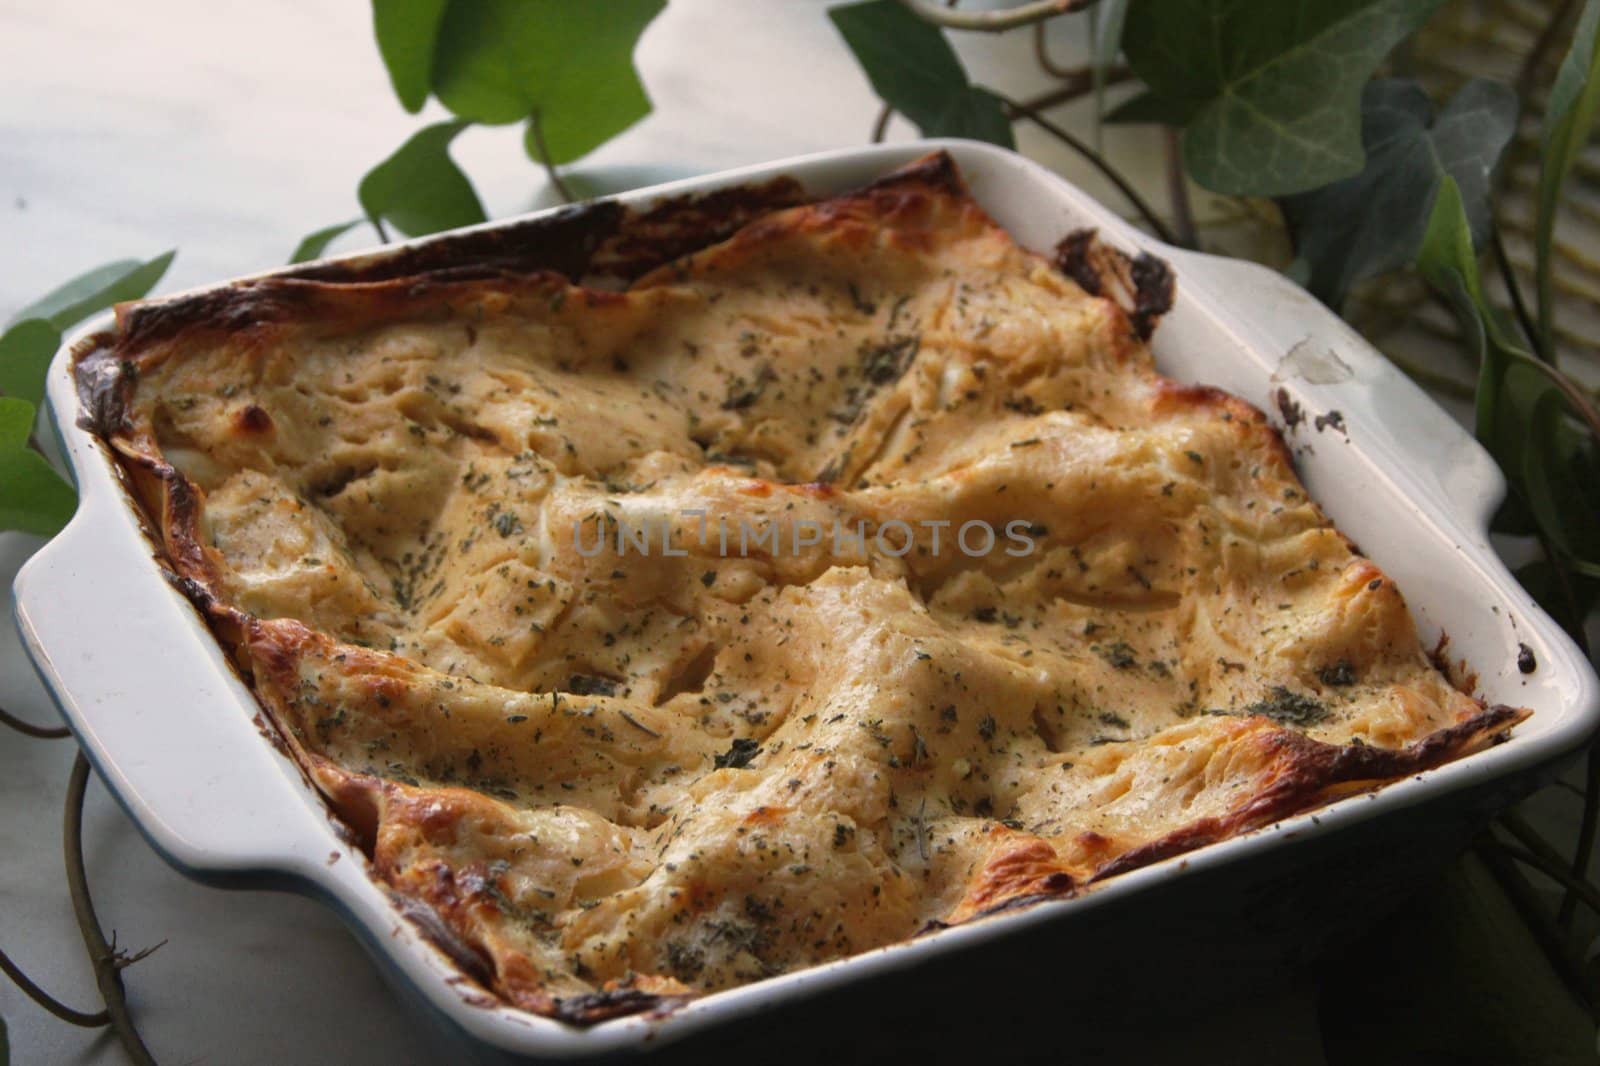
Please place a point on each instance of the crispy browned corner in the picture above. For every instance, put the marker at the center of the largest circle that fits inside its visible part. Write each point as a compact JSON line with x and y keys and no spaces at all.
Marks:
{"x":604,"y":783}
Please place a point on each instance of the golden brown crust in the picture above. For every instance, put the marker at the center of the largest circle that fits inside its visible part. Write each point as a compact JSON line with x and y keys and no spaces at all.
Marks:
{"x":604,"y":784}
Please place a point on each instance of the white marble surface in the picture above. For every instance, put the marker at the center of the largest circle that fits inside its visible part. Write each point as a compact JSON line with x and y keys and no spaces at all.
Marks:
{"x":228,"y":129}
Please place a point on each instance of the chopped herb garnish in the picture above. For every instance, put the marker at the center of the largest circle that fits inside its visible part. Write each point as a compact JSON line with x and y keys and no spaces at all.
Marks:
{"x":1119,"y":655}
{"x":738,"y":755}
{"x":1290,"y":708}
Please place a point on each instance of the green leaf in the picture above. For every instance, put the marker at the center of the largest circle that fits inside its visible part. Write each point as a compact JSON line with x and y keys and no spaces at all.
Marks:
{"x":1148,"y":109}
{"x":33,"y":497}
{"x":1553,"y":470}
{"x":312,"y":245}
{"x":25,"y":353}
{"x":126,"y":279}
{"x":406,"y":32}
{"x":16,"y":422}
{"x":1543,"y":463}
{"x":976,"y":114}
{"x":1568,"y":592}
{"x":501,"y":61}
{"x":914,"y":70}
{"x":1373,"y":223}
{"x":911,"y":66}
{"x":1445,"y":257}
{"x":419,"y":188}
{"x":1276,"y":87}
{"x":1568,"y":118}
{"x":1560,"y":471}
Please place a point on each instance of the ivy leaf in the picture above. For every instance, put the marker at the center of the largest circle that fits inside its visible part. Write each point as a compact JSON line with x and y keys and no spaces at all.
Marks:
{"x":1276,"y":88}
{"x":312,"y":245}
{"x":126,"y":279}
{"x":16,"y":422}
{"x":979,"y":115}
{"x":25,"y":353}
{"x":1149,"y":109}
{"x":1568,"y":119}
{"x":33,"y":497}
{"x":1373,"y":222}
{"x":419,"y":188}
{"x":502,"y":61}
{"x":914,"y":70}
{"x":406,"y":31}
{"x":911,"y":66}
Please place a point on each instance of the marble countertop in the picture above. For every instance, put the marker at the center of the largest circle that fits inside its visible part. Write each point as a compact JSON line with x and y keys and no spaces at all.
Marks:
{"x":229,"y":129}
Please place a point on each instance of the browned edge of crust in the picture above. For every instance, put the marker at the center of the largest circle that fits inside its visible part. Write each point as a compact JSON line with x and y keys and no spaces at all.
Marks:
{"x":1142,"y":285}
{"x":595,"y":1007}
{"x":1315,"y":774}
{"x":600,"y":241}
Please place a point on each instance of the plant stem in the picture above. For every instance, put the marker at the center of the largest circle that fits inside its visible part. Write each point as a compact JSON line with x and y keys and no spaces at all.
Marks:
{"x":1178,"y":187}
{"x":1545,"y":934}
{"x":49,"y":1002}
{"x":107,"y":961}
{"x":1574,"y":614}
{"x":43,"y":732}
{"x":1072,"y":90}
{"x":1041,"y":52}
{"x":1577,"y":398}
{"x":880,"y":128}
{"x":995,"y":21}
{"x":1556,"y":871}
{"x":1584,"y":852}
{"x":1551,"y":33}
{"x":1549,"y":860}
{"x":544,"y":158}
{"x":383,"y":234}
{"x":1514,"y":290}
{"x":1018,"y":110}
{"x":1079,"y":84}
{"x":1076,"y":88}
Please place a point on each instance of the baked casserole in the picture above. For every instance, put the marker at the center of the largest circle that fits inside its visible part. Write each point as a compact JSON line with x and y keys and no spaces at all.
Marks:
{"x":714,"y":593}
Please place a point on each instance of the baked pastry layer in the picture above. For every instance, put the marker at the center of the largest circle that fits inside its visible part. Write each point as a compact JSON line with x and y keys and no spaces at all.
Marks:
{"x":606,"y":772}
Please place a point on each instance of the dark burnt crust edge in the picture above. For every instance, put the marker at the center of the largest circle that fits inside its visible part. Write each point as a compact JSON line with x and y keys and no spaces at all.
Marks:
{"x":600,"y":245}
{"x":105,"y":374}
{"x":1317,"y":774}
{"x":1142,"y":285}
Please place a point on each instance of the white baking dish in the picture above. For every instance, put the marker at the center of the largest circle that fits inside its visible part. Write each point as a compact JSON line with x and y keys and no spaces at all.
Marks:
{"x":174,"y":732}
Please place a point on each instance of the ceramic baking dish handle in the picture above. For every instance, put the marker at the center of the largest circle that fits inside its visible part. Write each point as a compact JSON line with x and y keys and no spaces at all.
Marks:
{"x":119,"y":649}
{"x":1326,"y":366}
